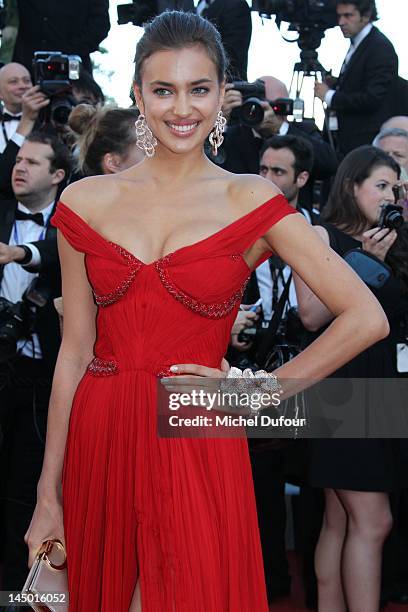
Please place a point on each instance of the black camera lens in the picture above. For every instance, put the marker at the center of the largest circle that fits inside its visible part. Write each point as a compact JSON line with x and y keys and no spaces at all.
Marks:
{"x":60,"y":110}
{"x":393,"y":219}
{"x":252,"y":112}
{"x":391,"y":216}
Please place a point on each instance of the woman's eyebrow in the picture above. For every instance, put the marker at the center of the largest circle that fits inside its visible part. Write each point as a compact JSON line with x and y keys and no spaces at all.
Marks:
{"x":167,"y":84}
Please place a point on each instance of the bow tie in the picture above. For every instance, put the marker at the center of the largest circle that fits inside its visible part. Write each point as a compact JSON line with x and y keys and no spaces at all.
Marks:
{"x":36,"y":217}
{"x":7,"y":117}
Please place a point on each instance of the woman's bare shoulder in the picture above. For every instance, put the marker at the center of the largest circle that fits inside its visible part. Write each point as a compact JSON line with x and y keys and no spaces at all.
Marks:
{"x":248,"y":191}
{"x":90,"y":193}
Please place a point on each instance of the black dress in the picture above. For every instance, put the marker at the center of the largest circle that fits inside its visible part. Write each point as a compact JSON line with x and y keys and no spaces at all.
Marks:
{"x":364,"y":464}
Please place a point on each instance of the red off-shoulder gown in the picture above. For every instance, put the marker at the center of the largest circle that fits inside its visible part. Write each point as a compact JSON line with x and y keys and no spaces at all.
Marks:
{"x":177,"y":514}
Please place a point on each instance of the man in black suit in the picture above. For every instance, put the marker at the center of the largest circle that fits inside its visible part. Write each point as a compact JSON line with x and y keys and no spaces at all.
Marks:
{"x":29,"y":265}
{"x":242,"y":144}
{"x":232,"y":18}
{"x":362,"y":98}
{"x":287,"y":161}
{"x":75,"y":27}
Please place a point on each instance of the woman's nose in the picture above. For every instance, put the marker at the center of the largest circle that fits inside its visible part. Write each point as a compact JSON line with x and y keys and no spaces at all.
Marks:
{"x":182,"y":106}
{"x":389,"y":195}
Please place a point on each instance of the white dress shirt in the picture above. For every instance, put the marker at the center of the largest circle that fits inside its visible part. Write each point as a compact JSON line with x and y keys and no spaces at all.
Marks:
{"x":8,"y":128}
{"x":265,"y":284}
{"x":354,"y":43}
{"x":16,"y":278}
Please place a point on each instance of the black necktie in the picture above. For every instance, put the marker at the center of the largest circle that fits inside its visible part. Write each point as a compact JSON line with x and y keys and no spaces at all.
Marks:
{"x":7,"y":117}
{"x":36,"y":217}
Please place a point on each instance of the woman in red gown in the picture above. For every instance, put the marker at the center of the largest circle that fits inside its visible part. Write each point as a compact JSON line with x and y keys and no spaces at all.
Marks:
{"x":154,"y":262}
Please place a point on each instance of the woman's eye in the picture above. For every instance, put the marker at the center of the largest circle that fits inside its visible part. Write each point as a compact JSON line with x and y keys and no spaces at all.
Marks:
{"x":200,"y":90}
{"x":161,"y":92}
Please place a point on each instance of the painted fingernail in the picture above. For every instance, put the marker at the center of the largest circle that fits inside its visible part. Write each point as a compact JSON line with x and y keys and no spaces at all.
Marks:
{"x":174,"y":369}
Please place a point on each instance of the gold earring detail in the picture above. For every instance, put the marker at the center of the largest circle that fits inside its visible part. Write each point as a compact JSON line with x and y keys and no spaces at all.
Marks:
{"x":216,"y":137}
{"x":144,"y":137}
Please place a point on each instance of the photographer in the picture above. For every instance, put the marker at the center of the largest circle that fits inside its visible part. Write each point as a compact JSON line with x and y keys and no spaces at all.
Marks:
{"x":362,"y":97}
{"x":243,"y":143}
{"x":21,"y":105}
{"x":29,"y":332}
{"x":15,"y":82}
{"x":287,"y":161}
{"x":86,"y":90}
{"x":357,"y":475}
{"x":32,"y":101}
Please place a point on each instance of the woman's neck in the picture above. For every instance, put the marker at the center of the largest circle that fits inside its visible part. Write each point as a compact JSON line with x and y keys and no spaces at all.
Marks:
{"x":172,"y":168}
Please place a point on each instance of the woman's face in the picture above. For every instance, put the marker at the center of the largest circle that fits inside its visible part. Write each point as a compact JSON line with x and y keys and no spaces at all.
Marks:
{"x":374,"y":191}
{"x":180,"y":97}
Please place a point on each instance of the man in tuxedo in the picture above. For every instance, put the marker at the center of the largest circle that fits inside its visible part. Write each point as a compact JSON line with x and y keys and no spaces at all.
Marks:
{"x":15,"y":81}
{"x":242,"y":144}
{"x":362,"y":98}
{"x":232,"y":18}
{"x":29,"y":272}
{"x":287,"y":161}
{"x":22,"y":104}
{"x":74,"y":27}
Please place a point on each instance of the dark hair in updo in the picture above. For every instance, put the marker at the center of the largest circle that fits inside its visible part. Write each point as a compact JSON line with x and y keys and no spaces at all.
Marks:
{"x":177,"y":30}
{"x":99,"y":131}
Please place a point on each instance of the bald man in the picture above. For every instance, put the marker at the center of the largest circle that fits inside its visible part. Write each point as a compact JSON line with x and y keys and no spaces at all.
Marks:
{"x":395,"y":142}
{"x":15,"y":81}
{"x":243,"y":144}
{"x":400,"y":122}
{"x":21,"y":104}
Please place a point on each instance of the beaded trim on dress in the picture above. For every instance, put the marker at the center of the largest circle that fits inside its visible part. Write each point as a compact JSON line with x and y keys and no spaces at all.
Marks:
{"x":214,"y":310}
{"x":115,"y":295}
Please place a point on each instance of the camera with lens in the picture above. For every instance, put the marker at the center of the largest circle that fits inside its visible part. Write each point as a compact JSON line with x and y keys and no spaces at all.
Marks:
{"x":17,"y":320}
{"x":290,"y":330}
{"x":251,"y":112}
{"x":307,"y":13}
{"x":310,"y":18}
{"x":54,"y":72}
{"x":390,"y":216}
{"x":250,"y":334}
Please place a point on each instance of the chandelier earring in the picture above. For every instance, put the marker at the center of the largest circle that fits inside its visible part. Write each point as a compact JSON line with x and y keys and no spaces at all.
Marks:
{"x":216,"y":137}
{"x":144,"y":137}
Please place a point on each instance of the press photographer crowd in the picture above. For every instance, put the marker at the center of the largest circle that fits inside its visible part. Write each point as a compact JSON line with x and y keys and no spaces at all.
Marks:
{"x":349,"y":180}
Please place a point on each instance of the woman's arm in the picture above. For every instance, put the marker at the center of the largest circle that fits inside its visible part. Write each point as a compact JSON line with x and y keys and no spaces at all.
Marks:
{"x":313,"y":313}
{"x":75,"y":354}
{"x":359,"y":319}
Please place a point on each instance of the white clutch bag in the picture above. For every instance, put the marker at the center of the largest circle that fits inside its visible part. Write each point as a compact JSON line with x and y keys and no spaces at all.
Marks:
{"x":46,"y":587}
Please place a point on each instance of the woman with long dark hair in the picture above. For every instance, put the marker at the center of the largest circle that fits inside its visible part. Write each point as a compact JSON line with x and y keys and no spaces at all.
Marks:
{"x":357,"y":474}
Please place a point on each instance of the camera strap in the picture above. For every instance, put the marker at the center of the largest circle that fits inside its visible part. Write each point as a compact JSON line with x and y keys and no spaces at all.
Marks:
{"x":270,"y":333}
